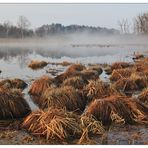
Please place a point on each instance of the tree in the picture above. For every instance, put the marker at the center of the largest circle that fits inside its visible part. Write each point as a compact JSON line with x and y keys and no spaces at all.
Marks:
{"x":23,"y":23}
{"x":141,"y":24}
{"x":7,"y":25}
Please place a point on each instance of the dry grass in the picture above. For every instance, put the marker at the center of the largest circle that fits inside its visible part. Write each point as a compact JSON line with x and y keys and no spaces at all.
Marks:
{"x":89,"y":74}
{"x":96,"y":68}
{"x":64,"y":97}
{"x":120,"y":73}
{"x":118,"y":109}
{"x":98,"y":89}
{"x":77,"y":82}
{"x":40,"y":85}
{"x":90,"y":126}
{"x":73,"y":70}
{"x":64,"y":63}
{"x":14,"y":83}
{"x":120,"y":65}
{"x":134,"y":83}
{"x":53,"y":124}
{"x":143,"y":97}
{"x":108,"y":70}
{"x":12,"y":104}
{"x":58,"y":124}
{"x":37,"y":64}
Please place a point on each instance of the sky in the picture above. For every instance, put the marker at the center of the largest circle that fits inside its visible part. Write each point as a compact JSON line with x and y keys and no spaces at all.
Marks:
{"x":103,"y":15}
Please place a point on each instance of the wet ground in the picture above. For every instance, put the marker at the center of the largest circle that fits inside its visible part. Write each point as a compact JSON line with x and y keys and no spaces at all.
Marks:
{"x":13,"y":64}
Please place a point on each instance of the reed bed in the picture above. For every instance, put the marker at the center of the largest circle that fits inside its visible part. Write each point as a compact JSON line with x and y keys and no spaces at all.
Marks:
{"x":58,"y":124}
{"x":12,"y":104}
{"x":120,"y":73}
{"x":37,"y":64}
{"x":55,"y":124}
{"x":77,"y":82}
{"x":13,"y":83}
{"x":63,"y":97}
{"x":73,"y":70}
{"x":143,"y":96}
{"x":120,"y":65}
{"x":118,"y":110}
{"x":133,"y":83}
{"x":40,"y":85}
{"x":96,"y":68}
{"x":98,"y":89}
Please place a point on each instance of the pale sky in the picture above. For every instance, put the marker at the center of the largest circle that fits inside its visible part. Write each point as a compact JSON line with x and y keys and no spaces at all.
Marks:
{"x":103,"y":15}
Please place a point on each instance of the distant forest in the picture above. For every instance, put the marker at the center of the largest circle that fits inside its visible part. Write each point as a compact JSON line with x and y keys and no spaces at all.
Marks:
{"x":21,"y":30}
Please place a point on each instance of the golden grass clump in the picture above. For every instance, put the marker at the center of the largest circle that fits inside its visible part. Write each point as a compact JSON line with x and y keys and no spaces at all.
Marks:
{"x":98,"y":89}
{"x":118,"y":109}
{"x":54,"y":124}
{"x":120,"y":73}
{"x":133,"y":83}
{"x":63,"y":97}
{"x":12,"y":104}
{"x":89,"y":74}
{"x":77,"y":82}
{"x":143,"y":97}
{"x":40,"y":85}
{"x":96,"y":68}
{"x":120,"y":65}
{"x":90,"y":126}
{"x":14,"y":83}
{"x":73,"y":70}
{"x":64,"y":63}
{"x":37,"y":64}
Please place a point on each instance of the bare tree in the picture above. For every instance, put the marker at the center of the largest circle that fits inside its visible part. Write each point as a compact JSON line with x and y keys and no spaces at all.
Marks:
{"x":7,"y":25}
{"x":23,"y":23}
{"x":124,"y":26}
{"x":141,"y":23}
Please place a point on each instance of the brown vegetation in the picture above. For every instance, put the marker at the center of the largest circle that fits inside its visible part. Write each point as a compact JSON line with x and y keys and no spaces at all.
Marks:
{"x":118,"y":109}
{"x":64,"y":97}
{"x":120,"y":65}
{"x":53,"y":124}
{"x":14,"y":83}
{"x":98,"y":89}
{"x":77,"y":82}
{"x":96,"y":68}
{"x":133,"y":83}
{"x":12,"y":104}
{"x":40,"y":85}
{"x":73,"y":70}
{"x":120,"y":73}
{"x":143,"y":97}
{"x":37,"y":64}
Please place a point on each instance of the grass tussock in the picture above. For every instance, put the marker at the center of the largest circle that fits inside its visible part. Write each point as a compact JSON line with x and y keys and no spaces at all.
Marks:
{"x":143,"y":96}
{"x":40,"y":85}
{"x":98,"y":89}
{"x":53,"y":124}
{"x":120,"y":73}
{"x":37,"y":64}
{"x":89,"y":74}
{"x":12,"y":104}
{"x":96,"y":68}
{"x":118,"y":109}
{"x":58,"y":124}
{"x":64,"y":63}
{"x":73,"y":70}
{"x":14,"y":83}
{"x":90,"y":126}
{"x":120,"y":65}
{"x":77,"y":82}
{"x":134,"y":83}
{"x":63,"y":97}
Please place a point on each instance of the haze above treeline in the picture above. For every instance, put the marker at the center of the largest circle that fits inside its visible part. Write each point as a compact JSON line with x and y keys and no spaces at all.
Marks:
{"x":22,"y":28}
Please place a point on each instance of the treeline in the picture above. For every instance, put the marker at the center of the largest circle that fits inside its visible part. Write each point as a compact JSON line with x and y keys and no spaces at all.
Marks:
{"x":21,"y":30}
